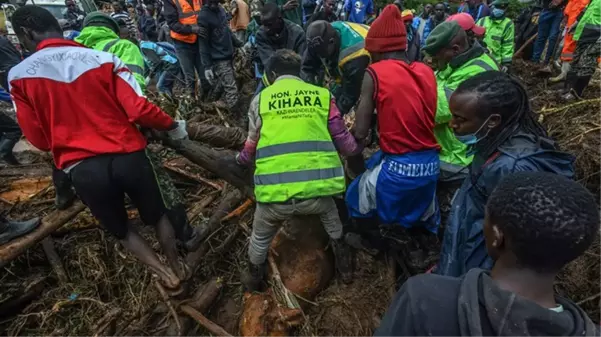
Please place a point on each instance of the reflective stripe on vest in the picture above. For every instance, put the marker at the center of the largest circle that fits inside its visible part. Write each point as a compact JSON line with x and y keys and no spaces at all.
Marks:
{"x":188,"y":15}
{"x":296,"y":157}
{"x":134,"y":68}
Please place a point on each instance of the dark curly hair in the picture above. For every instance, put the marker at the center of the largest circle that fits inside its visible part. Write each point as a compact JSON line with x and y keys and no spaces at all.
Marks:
{"x":284,"y":62}
{"x":547,"y":219}
{"x":35,"y":18}
{"x":499,"y":93}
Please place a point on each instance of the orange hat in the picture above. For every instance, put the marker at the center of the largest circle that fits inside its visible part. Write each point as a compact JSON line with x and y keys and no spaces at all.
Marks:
{"x":387,"y":32}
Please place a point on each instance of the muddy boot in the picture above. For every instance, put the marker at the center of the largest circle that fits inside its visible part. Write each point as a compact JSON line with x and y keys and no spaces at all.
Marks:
{"x":62,"y":186}
{"x":252,"y":278}
{"x":6,"y":152}
{"x":344,"y":260}
{"x":13,"y":229}
{"x":565,"y":68}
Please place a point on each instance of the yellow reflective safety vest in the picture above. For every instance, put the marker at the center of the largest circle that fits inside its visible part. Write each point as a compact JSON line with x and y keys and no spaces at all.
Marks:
{"x":296,"y":157}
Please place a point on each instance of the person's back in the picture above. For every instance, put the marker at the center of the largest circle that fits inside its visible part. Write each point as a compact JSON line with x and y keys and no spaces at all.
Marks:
{"x":406,"y":105}
{"x":100,"y":33}
{"x":87,"y":74}
{"x":527,"y":220}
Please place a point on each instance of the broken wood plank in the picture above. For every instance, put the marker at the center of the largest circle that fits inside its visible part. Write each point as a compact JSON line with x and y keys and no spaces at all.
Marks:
{"x":217,"y":135}
{"x":49,"y":224}
{"x":192,"y":176}
{"x":205,"y":322}
{"x":238,"y":211}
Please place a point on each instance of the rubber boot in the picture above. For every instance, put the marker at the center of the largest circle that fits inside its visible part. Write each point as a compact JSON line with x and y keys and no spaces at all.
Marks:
{"x":252,"y":278}
{"x":10,"y":230}
{"x":565,"y":68}
{"x":344,"y":260}
{"x":62,"y":186}
{"x":6,"y":151}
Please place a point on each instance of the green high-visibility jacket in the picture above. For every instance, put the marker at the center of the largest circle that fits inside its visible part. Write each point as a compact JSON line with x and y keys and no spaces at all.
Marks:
{"x":589,"y":26}
{"x":296,"y":157}
{"x":104,"y":39}
{"x":499,"y":38}
{"x":452,"y":150}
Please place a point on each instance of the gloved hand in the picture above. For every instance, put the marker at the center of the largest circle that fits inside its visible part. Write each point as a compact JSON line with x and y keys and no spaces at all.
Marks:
{"x":179,"y":132}
{"x":209,"y":75}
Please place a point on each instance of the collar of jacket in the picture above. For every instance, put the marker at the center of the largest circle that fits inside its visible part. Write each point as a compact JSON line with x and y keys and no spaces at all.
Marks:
{"x":475,"y":51}
{"x":49,"y":43}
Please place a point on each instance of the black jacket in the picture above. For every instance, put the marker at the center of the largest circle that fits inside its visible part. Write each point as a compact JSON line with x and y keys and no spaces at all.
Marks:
{"x":172,"y":18}
{"x":292,"y":37}
{"x":473,"y":305}
{"x":9,"y":57}
{"x":351,"y":75}
{"x":218,"y":44}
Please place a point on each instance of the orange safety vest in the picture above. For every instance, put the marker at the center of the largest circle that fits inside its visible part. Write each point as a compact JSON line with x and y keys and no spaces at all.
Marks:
{"x":242,"y":18}
{"x":188,"y":15}
{"x":572,"y":10}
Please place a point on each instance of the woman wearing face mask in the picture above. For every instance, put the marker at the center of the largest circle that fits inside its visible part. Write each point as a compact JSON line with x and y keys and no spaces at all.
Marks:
{"x":492,"y":116}
{"x":500,"y":33}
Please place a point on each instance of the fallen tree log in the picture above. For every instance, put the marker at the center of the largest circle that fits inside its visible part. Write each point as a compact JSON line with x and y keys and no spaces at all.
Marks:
{"x":209,"y":159}
{"x":50,"y":223}
{"x":217,"y":136}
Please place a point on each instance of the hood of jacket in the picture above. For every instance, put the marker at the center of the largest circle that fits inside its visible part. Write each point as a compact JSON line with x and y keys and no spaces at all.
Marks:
{"x":93,"y":35}
{"x":487,"y":310}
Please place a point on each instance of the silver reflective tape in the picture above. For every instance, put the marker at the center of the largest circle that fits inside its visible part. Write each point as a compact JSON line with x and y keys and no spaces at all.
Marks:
{"x":298,"y":176}
{"x":295,"y":147}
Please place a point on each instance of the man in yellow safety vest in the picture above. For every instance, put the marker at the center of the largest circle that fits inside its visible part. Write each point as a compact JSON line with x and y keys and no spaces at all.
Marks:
{"x":295,"y":134}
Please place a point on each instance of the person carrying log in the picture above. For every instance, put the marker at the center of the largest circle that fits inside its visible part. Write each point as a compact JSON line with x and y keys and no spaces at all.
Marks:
{"x":455,"y":62}
{"x":99,"y":146}
{"x":526,"y":232}
{"x":399,"y":185}
{"x":338,"y":49}
{"x":491,"y":115}
{"x":295,"y":134}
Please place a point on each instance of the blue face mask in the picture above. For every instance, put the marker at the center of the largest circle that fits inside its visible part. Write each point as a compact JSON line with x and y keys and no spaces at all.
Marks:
{"x":472,"y":138}
{"x":497,"y":12}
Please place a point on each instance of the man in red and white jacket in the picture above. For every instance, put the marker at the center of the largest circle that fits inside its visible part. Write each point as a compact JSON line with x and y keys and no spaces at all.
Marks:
{"x":85,"y":107}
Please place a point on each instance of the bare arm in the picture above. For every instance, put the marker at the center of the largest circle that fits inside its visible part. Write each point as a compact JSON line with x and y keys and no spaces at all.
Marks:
{"x":365,"y":109}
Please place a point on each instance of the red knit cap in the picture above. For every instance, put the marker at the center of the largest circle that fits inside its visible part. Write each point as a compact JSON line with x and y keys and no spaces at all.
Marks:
{"x":387,"y":32}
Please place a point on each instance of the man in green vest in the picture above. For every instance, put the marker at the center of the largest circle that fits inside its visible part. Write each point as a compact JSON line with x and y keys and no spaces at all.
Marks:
{"x":295,"y":134}
{"x":500,"y":33}
{"x":101,"y":32}
{"x":338,"y":48}
{"x":455,"y":61}
{"x":588,"y":36}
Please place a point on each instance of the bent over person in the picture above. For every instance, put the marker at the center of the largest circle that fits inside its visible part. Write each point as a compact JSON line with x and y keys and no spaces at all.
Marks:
{"x":100,"y":146}
{"x":296,"y":131}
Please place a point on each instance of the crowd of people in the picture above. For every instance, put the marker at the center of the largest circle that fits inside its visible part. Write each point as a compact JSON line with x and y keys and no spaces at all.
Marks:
{"x":434,"y":90}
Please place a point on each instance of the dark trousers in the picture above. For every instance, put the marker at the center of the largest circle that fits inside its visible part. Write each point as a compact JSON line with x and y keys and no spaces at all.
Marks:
{"x":188,"y":55}
{"x":548,"y":29}
{"x":9,"y":129}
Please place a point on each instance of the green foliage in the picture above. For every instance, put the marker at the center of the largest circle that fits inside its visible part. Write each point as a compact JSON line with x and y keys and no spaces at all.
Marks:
{"x":514,"y":9}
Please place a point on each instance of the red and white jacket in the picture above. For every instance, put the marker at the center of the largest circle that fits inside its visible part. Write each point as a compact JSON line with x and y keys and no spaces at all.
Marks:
{"x":78,"y":103}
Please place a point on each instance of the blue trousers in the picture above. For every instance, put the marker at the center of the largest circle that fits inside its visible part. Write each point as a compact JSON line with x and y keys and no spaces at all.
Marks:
{"x":548,"y":29}
{"x":167,"y":79}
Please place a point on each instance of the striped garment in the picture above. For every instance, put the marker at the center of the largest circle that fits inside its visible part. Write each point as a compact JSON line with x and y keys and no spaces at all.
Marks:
{"x":131,"y":26}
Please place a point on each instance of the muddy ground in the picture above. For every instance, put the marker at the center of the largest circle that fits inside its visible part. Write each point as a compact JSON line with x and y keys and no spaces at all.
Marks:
{"x":108,"y":292}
